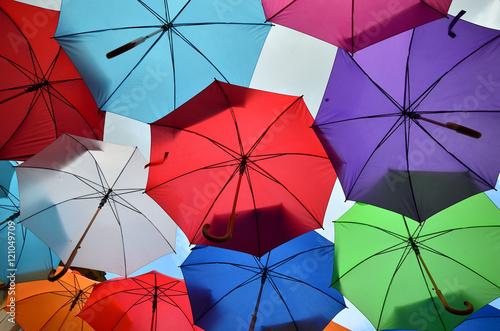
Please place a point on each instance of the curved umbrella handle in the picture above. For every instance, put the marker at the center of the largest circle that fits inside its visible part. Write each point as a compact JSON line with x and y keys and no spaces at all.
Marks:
{"x":52,"y":277}
{"x":466,"y":311}
{"x":230,"y":225}
{"x":440,"y":295}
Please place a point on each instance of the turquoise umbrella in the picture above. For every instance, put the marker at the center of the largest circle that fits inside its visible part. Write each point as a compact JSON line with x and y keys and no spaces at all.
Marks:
{"x":24,"y":256}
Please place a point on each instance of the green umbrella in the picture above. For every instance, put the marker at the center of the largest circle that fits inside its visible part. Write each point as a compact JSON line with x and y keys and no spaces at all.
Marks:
{"x":394,"y":269}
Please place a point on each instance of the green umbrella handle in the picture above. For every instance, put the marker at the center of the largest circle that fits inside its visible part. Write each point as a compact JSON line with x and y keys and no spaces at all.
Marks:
{"x":466,"y":311}
{"x":128,"y":46}
{"x":52,"y":274}
{"x":230,"y":225}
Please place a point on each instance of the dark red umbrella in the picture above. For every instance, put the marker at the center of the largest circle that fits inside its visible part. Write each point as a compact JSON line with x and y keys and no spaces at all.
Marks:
{"x":151,"y":301}
{"x":41,"y":93}
{"x":240,"y":163}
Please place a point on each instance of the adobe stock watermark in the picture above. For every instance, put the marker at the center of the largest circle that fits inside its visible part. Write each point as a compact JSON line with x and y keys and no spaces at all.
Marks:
{"x":203,"y":196}
{"x":374,"y":27}
{"x":128,"y":102}
{"x":30,"y":27}
{"x":423,"y":148}
{"x":11,"y":270}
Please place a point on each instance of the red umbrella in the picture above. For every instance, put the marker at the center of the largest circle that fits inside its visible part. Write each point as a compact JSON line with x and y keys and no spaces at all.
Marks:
{"x":150,"y":301}
{"x":41,"y":93}
{"x":240,"y":163}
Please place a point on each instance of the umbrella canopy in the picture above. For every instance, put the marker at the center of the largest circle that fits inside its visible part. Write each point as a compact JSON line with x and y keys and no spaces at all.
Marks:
{"x":486,"y":318}
{"x":396,"y":270}
{"x":25,"y":257}
{"x":151,"y":301}
{"x":410,"y":124}
{"x":44,"y":95}
{"x":181,"y":47}
{"x":243,"y":158}
{"x":43,"y":305}
{"x":286,"y":289}
{"x":84,"y":199}
{"x":354,"y":24}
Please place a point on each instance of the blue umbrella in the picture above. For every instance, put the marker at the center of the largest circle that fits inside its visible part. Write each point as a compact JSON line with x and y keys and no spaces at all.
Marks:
{"x":486,"y":318}
{"x":25,"y":257}
{"x":142,"y":60}
{"x":287,"y":288}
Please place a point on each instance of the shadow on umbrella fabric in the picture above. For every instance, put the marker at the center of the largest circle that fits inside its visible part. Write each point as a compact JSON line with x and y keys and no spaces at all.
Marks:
{"x":419,"y":194}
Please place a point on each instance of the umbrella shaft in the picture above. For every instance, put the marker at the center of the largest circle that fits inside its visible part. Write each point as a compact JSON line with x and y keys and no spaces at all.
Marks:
{"x":254,"y":317}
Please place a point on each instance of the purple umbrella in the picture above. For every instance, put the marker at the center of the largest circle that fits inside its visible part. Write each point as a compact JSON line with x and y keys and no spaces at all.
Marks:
{"x":412,"y":124}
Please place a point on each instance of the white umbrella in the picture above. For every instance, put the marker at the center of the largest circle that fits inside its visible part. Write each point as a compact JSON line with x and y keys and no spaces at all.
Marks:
{"x":84,"y":199}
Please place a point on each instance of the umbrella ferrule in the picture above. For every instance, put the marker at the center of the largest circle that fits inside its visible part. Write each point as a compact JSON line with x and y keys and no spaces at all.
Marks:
{"x":414,"y":246}
{"x":155,"y":299}
{"x":243,"y":164}
{"x":37,"y":86}
{"x":167,"y":26}
{"x":264,"y":275}
{"x":75,"y":300}
{"x":105,"y":198}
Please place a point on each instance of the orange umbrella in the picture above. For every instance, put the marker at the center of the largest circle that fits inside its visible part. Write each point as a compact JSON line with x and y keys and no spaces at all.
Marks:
{"x":44,"y":305}
{"x":332,"y":326}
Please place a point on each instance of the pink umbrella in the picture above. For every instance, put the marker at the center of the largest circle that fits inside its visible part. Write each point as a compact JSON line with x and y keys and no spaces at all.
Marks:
{"x":353,"y":25}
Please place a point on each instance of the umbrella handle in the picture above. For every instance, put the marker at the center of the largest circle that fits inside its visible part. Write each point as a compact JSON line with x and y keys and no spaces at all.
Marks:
{"x":466,"y":311}
{"x":453,"y":22}
{"x":52,"y":274}
{"x":230,"y":225}
{"x":128,"y":46}
{"x":453,"y":126}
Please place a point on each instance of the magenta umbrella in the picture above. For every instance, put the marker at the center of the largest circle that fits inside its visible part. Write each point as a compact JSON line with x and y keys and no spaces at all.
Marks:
{"x":353,"y":25}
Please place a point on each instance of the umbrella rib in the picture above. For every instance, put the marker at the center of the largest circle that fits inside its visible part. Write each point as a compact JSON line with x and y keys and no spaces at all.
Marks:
{"x":244,"y":283}
{"x":453,"y":156}
{"x":410,"y":181}
{"x":403,"y":257}
{"x":393,"y":101}
{"x":212,"y":166}
{"x":264,"y":173}
{"x":292,"y":279}
{"x":223,"y":147}
{"x":271,"y":124}
{"x":391,"y":131}
{"x":288,"y":259}
{"x":435,"y":9}
{"x":155,"y":14}
{"x":280,"y":11}
{"x":278,"y":292}
{"x":233,"y":116}
{"x":132,"y":70}
{"x":431,"y":250}
{"x":174,"y":30}
{"x":357,"y":118}
{"x":256,"y":270}
{"x":424,"y":94}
